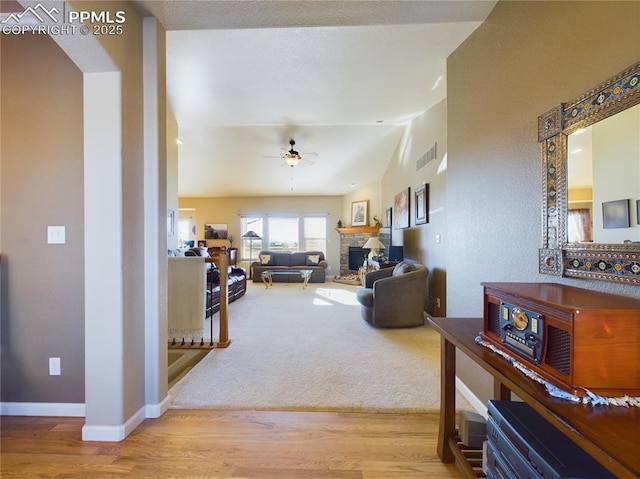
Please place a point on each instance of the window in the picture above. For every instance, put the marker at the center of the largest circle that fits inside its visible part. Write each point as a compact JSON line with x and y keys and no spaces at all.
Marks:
{"x":284,"y":233}
{"x":315,"y":233}
{"x":579,"y":225}
{"x":185,"y":232}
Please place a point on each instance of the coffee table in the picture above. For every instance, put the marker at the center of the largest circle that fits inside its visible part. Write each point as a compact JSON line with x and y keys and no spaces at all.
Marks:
{"x":267,"y":276}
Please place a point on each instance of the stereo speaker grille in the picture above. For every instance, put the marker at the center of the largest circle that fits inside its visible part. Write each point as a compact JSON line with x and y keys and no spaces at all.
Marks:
{"x":558,"y":350}
{"x":494,"y":318}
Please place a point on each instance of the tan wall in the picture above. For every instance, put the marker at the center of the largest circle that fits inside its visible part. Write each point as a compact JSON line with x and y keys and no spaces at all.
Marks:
{"x":419,"y":241}
{"x":228,"y":211}
{"x":526,"y":58}
{"x":42,"y":185}
{"x":42,"y":125}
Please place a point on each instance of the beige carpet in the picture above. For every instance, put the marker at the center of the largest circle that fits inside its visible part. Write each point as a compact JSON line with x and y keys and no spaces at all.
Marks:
{"x":308,"y":349}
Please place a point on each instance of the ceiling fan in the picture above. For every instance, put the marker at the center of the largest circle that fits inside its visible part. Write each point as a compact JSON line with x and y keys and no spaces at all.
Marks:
{"x":292,"y":157}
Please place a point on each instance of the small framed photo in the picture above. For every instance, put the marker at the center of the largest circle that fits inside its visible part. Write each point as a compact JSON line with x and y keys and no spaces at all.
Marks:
{"x":615,"y":214}
{"x":422,"y":204}
{"x":360,"y":213}
{"x":202,"y":243}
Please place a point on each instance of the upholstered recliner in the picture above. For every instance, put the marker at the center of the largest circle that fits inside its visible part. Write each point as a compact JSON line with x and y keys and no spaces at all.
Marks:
{"x":394,"y":297}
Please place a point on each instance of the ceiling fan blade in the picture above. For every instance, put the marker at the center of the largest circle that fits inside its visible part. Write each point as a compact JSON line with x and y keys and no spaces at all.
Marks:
{"x":309,"y":153}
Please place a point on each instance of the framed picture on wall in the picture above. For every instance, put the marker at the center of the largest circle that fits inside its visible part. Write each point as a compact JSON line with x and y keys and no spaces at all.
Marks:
{"x":615,"y":214}
{"x":215,"y":231}
{"x":389,"y":217}
{"x":360,"y":213}
{"x":638,"y":212}
{"x":401,"y":209}
{"x":422,"y":205}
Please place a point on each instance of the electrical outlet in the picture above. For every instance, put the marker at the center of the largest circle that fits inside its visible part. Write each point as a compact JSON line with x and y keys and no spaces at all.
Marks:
{"x":54,"y":367}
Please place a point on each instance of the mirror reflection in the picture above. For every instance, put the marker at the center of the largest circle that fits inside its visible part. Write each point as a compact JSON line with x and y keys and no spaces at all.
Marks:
{"x":603,"y":180}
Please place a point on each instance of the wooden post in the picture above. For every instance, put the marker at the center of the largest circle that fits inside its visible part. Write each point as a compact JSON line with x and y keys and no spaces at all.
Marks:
{"x":223,"y":264}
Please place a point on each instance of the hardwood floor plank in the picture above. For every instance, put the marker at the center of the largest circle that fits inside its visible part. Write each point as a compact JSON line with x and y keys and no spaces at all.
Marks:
{"x":230,"y":444}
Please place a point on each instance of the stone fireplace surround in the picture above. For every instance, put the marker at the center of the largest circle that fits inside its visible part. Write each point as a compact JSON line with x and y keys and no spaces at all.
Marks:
{"x":355,"y":236}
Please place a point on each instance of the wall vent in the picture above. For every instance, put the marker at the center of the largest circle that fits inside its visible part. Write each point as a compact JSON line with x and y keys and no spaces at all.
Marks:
{"x":428,"y":157}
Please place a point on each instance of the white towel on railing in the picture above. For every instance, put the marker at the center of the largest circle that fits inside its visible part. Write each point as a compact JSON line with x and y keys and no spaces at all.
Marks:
{"x":186,"y":297}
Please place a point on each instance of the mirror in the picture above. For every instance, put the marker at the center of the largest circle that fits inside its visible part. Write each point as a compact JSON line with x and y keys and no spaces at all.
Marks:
{"x":591,"y":183}
{"x":603,"y":165}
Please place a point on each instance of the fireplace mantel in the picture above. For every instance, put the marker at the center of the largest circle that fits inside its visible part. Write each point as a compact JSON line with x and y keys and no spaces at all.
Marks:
{"x":358,"y":229}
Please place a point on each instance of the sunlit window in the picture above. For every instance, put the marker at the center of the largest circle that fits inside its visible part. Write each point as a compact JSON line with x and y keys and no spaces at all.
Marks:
{"x":315,"y":233}
{"x":283,"y":233}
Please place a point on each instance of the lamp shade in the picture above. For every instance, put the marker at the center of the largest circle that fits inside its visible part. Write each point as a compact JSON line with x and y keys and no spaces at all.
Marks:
{"x":251,"y":234}
{"x":373,"y":243}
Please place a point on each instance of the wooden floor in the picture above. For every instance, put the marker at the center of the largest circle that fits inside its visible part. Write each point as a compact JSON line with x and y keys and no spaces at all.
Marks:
{"x":224,"y":444}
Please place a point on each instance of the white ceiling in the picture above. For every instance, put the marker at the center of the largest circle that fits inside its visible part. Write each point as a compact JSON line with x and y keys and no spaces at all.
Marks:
{"x":342,"y":78}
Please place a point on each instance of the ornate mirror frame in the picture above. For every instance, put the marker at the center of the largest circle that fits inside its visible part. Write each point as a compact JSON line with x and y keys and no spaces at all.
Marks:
{"x":608,"y":262}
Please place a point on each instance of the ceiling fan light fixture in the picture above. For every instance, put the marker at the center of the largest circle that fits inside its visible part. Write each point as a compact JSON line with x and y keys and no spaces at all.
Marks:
{"x":292,"y":161}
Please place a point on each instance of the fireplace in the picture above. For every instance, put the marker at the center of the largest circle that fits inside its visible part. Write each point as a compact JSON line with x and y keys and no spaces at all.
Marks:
{"x":357,"y":256}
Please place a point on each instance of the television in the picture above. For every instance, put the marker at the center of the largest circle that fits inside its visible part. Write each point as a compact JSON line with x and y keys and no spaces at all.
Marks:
{"x":396,"y":254}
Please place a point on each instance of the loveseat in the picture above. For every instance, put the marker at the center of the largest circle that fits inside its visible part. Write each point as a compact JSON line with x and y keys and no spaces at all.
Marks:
{"x":279,"y":260}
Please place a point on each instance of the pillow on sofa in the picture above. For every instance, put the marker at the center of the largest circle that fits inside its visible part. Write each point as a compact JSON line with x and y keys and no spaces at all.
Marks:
{"x":313,"y":259}
{"x":266,"y":260}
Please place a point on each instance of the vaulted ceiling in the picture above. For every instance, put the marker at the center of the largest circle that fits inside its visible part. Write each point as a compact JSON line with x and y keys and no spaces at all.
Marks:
{"x":341,"y":78}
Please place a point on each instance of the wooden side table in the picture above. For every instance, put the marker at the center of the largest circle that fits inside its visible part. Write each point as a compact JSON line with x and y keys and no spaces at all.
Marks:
{"x":610,"y":434}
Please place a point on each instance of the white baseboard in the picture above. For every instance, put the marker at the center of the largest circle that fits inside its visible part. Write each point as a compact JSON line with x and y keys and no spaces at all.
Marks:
{"x":477,"y":404}
{"x":157,"y":410}
{"x":42,"y":409}
{"x":113,"y":433}
{"x":89,"y":432}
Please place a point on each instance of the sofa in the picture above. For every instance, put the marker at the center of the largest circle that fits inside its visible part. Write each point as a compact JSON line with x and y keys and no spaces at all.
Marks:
{"x":394,"y":297}
{"x":236,"y":287}
{"x":236,"y":280}
{"x":280,"y":260}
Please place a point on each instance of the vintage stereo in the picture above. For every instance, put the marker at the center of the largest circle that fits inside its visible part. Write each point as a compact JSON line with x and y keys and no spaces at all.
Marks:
{"x":575,"y":338}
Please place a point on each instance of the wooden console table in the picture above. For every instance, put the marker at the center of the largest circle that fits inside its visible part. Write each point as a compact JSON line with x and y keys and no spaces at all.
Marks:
{"x":609,"y":434}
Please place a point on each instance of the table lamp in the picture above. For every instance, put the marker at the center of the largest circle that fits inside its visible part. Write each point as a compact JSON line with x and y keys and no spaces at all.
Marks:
{"x":374,"y":245}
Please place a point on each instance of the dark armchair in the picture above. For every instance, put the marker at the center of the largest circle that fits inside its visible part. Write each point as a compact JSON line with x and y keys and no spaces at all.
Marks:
{"x":394,"y":297}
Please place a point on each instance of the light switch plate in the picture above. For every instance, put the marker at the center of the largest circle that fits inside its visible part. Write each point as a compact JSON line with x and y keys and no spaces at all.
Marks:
{"x":54,"y":367}
{"x":56,"y":235}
